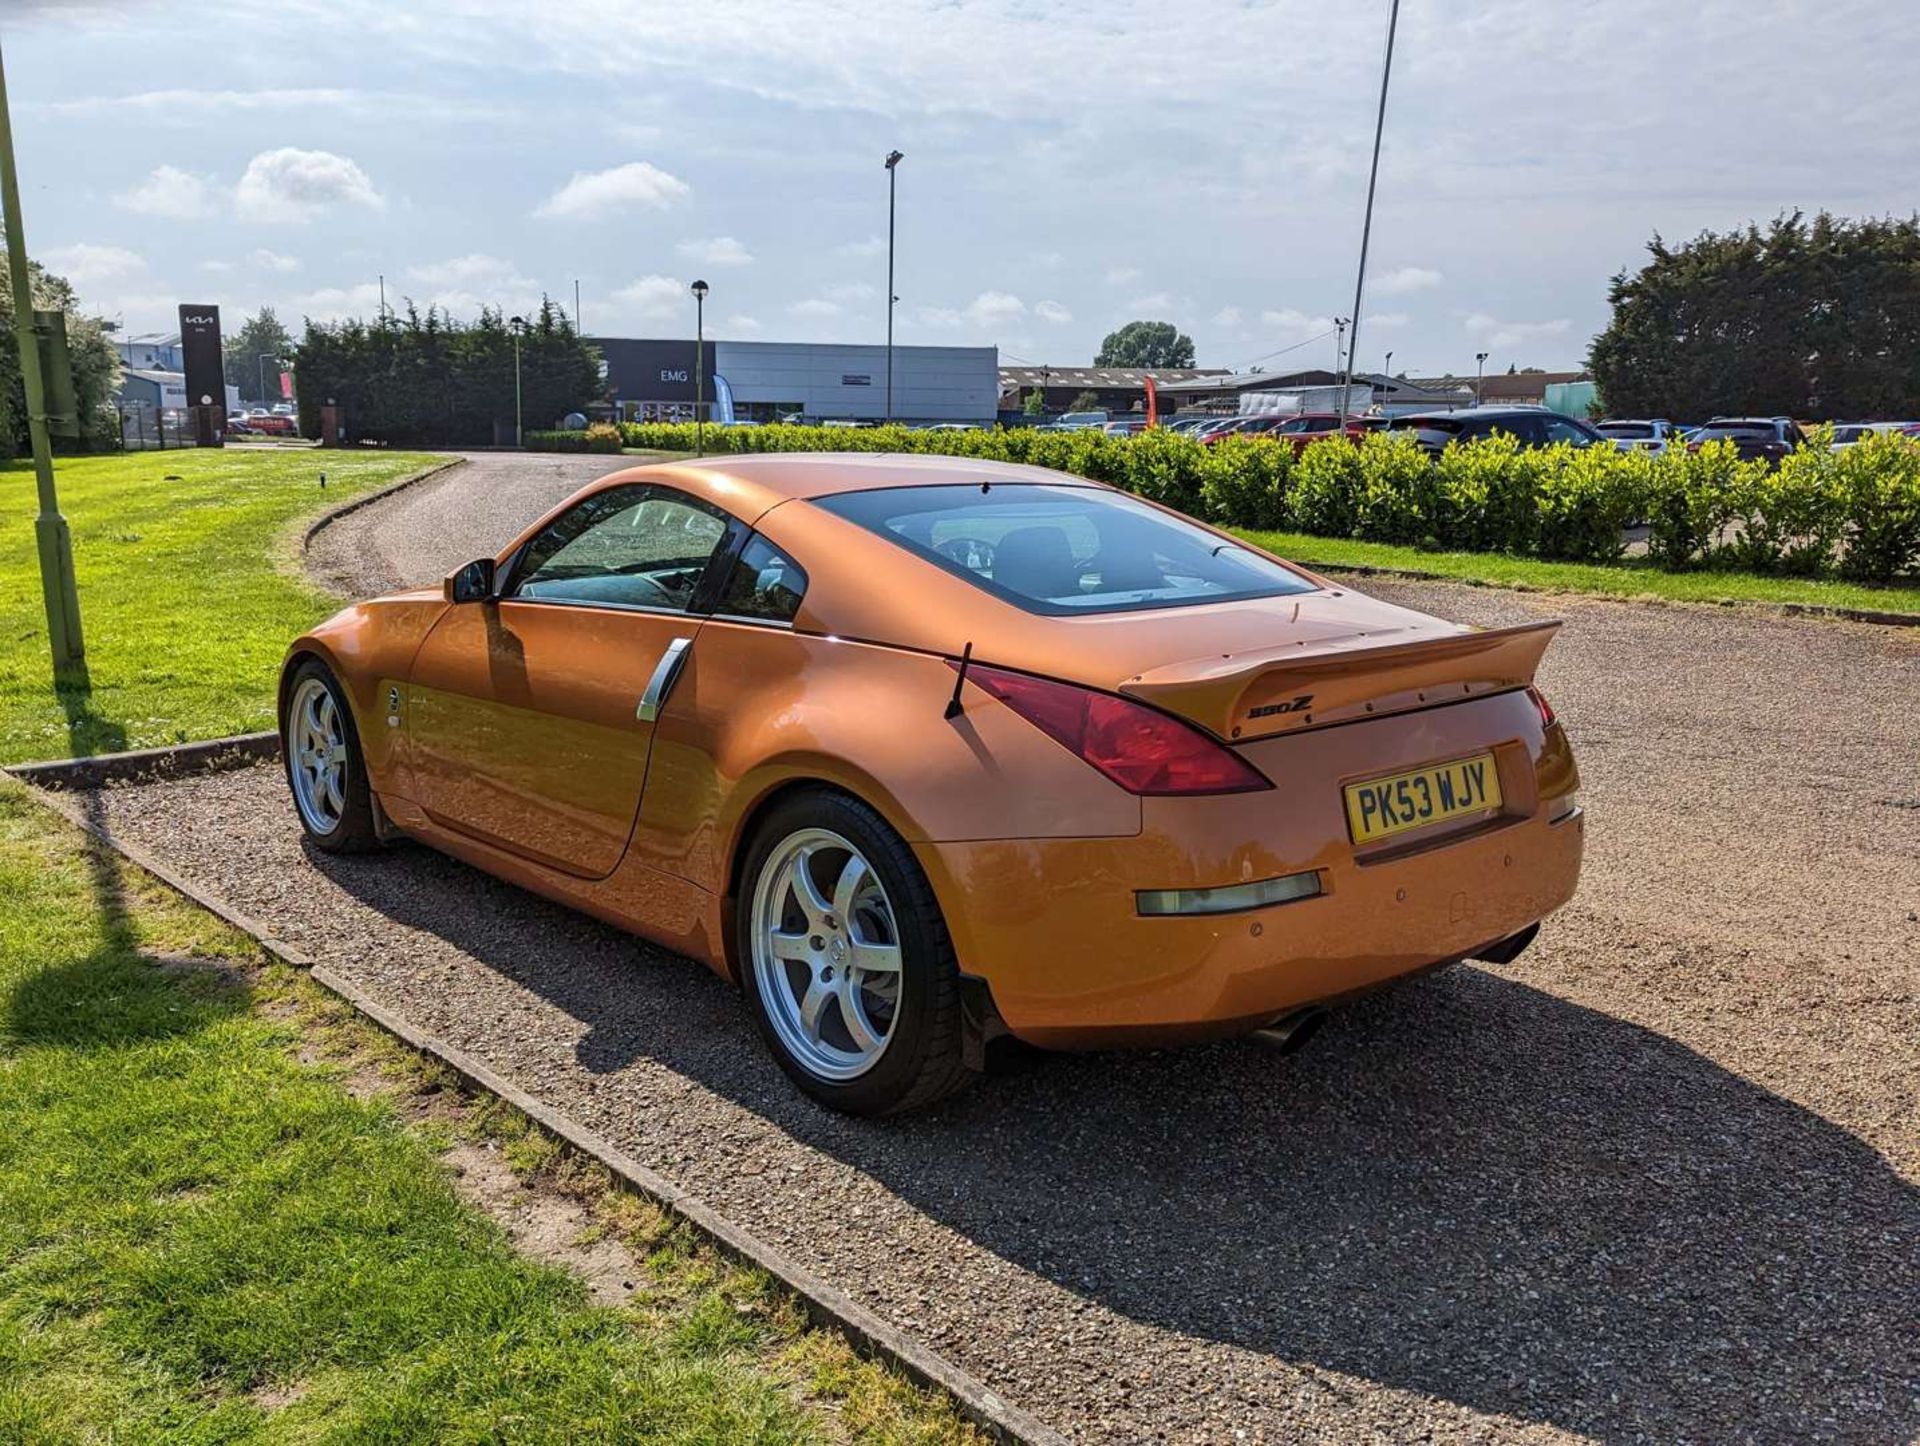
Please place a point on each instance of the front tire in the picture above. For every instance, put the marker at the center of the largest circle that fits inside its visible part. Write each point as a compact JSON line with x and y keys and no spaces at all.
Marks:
{"x":845,"y":959}
{"x":325,"y":770}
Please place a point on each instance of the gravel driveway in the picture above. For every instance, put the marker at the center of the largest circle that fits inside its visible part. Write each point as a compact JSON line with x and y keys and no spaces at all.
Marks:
{"x":1655,"y":1180}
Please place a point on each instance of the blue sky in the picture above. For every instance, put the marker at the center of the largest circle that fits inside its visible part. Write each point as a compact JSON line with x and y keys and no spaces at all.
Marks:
{"x":1069,"y":166}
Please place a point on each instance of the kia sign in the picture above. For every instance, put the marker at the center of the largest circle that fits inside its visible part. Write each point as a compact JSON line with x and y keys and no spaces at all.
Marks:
{"x":200,"y":354}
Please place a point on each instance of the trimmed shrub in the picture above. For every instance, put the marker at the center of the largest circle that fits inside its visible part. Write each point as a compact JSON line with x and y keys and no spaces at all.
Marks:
{"x":1878,"y":480}
{"x":1325,"y":497}
{"x":1695,"y":495}
{"x":1398,"y":496}
{"x":1587,"y":496}
{"x":1858,"y":509}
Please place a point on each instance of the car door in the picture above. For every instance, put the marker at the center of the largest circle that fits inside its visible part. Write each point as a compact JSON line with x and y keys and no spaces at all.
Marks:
{"x":530,"y":716}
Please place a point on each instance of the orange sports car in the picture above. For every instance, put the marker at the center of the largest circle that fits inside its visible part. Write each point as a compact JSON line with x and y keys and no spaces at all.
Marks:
{"x":922,"y":752}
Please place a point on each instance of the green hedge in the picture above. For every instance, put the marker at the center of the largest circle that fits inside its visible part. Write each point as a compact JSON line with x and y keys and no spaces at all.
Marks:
{"x":600,"y":437}
{"x":1854,"y":512}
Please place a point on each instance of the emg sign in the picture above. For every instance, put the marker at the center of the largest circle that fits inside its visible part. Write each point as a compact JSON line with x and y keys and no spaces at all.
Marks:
{"x":680,"y":375}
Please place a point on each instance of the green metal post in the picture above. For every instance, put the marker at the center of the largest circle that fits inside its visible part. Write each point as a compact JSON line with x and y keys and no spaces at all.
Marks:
{"x":49,"y":528}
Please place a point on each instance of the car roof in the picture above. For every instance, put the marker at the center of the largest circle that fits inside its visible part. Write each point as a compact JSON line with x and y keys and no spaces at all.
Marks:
{"x":748,"y":486}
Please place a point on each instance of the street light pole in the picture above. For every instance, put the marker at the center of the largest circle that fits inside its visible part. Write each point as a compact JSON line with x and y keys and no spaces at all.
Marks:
{"x":1479,"y":375}
{"x":50,"y":531}
{"x":699,"y":366}
{"x":1366,"y":226}
{"x":1339,"y":352}
{"x":518,"y":326}
{"x":893,"y":162}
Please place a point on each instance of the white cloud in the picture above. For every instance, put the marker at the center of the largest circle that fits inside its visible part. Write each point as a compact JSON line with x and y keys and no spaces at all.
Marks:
{"x":1227,"y":316}
{"x":815,"y":308}
{"x":944,"y":317}
{"x":600,"y":193}
{"x":1052,"y":311}
{"x":655,"y":296}
{"x":1287,"y":324}
{"x":1386,"y":320}
{"x":216,"y":267}
{"x":1152,"y":301}
{"x":719,"y":251}
{"x":1050,"y":259}
{"x":851,"y":293}
{"x":1121,"y":275}
{"x":995,"y":308}
{"x":1501,"y":335}
{"x":740,"y":326}
{"x":88,"y":265}
{"x":872,"y":246}
{"x":169,"y":192}
{"x":476,"y":268}
{"x":273,"y":261}
{"x":1406,"y":278}
{"x":335,"y":303}
{"x":292,"y":185}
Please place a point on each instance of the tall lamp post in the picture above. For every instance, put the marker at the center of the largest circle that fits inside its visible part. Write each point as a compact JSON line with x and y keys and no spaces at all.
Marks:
{"x":699,"y":365}
{"x":518,"y":325}
{"x":50,"y":532}
{"x":1339,"y":351}
{"x":894,"y":158}
{"x":1479,"y":375}
{"x":259,"y":365}
{"x":1366,"y":226}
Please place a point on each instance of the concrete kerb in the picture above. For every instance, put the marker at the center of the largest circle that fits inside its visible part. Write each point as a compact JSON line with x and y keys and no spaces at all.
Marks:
{"x":826,"y":1305}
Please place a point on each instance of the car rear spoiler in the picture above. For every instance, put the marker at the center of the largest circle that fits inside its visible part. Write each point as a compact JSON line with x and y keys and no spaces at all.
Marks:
{"x":1267,"y":691}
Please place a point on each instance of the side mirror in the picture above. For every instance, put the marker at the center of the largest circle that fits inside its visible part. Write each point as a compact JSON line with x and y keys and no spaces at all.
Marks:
{"x":472,"y":583}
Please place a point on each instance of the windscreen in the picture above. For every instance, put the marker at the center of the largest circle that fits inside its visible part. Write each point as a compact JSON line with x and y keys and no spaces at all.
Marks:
{"x":1065,"y":551}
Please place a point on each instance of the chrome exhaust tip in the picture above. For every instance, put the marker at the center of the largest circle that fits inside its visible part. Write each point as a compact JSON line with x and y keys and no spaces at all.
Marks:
{"x":1291,"y":1031}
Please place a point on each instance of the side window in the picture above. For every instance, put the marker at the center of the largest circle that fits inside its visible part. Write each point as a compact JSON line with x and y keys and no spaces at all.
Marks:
{"x":764,"y":583}
{"x":1559,"y":429}
{"x":626,"y":547}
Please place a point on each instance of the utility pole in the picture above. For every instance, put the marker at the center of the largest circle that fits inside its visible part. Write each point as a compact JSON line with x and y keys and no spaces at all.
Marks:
{"x":1366,"y":226}
{"x":699,"y":365}
{"x":50,"y":532}
{"x":518,"y":326}
{"x":1339,"y":352}
{"x":383,"y":297}
{"x":576,"y":306}
{"x":894,"y":158}
{"x":1479,"y":375}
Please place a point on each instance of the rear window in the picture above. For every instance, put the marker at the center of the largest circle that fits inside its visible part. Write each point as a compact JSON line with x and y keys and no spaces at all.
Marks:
{"x":1425,"y":424}
{"x":1065,"y":551}
{"x":1741,"y":429}
{"x":1626,"y":429}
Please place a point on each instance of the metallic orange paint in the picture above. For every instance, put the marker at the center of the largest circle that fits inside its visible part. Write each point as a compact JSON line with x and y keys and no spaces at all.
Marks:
{"x":505,"y":733}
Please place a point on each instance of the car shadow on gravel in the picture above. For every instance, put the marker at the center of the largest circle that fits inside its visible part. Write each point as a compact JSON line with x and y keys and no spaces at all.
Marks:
{"x":1465,"y":1187}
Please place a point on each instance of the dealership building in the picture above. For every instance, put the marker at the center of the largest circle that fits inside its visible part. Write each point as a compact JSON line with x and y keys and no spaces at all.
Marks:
{"x":654,"y":380}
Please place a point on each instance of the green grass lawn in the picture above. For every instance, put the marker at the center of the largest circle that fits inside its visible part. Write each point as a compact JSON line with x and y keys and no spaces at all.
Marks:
{"x":205,"y":1238}
{"x":189,"y":592}
{"x":1630,"y":578}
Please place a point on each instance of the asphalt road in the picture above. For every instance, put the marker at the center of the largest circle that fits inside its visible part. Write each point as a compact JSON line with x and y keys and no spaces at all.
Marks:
{"x":1655,"y":1180}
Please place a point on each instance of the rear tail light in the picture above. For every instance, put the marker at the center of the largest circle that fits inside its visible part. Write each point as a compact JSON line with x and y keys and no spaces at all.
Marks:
{"x":1546,"y":709}
{"x":1140,"y":748}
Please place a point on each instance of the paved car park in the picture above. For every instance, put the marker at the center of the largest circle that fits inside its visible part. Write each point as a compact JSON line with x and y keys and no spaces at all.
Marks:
{"x":1657,"y":1178}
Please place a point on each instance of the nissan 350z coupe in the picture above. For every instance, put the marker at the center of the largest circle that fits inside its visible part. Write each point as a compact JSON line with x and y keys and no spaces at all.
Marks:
{"x":921,"y":752}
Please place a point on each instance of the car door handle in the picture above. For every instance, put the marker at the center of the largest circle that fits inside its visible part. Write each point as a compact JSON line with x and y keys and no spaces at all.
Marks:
{"x":665,"y":673}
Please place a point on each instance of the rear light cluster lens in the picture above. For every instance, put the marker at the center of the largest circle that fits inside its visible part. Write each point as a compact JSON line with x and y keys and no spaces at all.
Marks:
{"x":1547,"y":714}
{"x":1139,"y":748}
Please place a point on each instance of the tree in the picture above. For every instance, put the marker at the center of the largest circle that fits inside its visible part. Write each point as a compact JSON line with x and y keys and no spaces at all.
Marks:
{"x":261,"y":335}
{"x":1035,"y":404}
{"x":1085,"y":402}
{"x":425,"y":379}
{"x":1146,"y":344}
{"x":1815,"y":319}
{"x":96,"y":366}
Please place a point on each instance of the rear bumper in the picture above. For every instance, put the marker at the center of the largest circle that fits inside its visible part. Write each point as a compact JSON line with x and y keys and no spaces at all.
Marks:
{"x":1051,"y":924}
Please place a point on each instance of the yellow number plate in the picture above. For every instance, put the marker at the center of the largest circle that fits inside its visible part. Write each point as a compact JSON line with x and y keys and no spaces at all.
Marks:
{"x":1381,"y":807}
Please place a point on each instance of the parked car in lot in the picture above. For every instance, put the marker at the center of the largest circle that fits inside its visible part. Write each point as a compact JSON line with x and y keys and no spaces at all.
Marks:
{"x":1847,"y":434}
{"x":270,"y":423}
{"x":1125,"y":427}
{"x":838,"y":727}
{"x":1766,"y":438}
{"x":1653,"y":435}
{"x":1191,"y":423}
{"x":1530,"y":426}
{"x":1077,"y":421}
{"x":1306,"y":428}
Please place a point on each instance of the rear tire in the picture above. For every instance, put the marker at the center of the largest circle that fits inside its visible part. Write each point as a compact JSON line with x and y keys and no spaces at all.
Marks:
{"x":845,"y":960}
{"x":325,"y":770}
